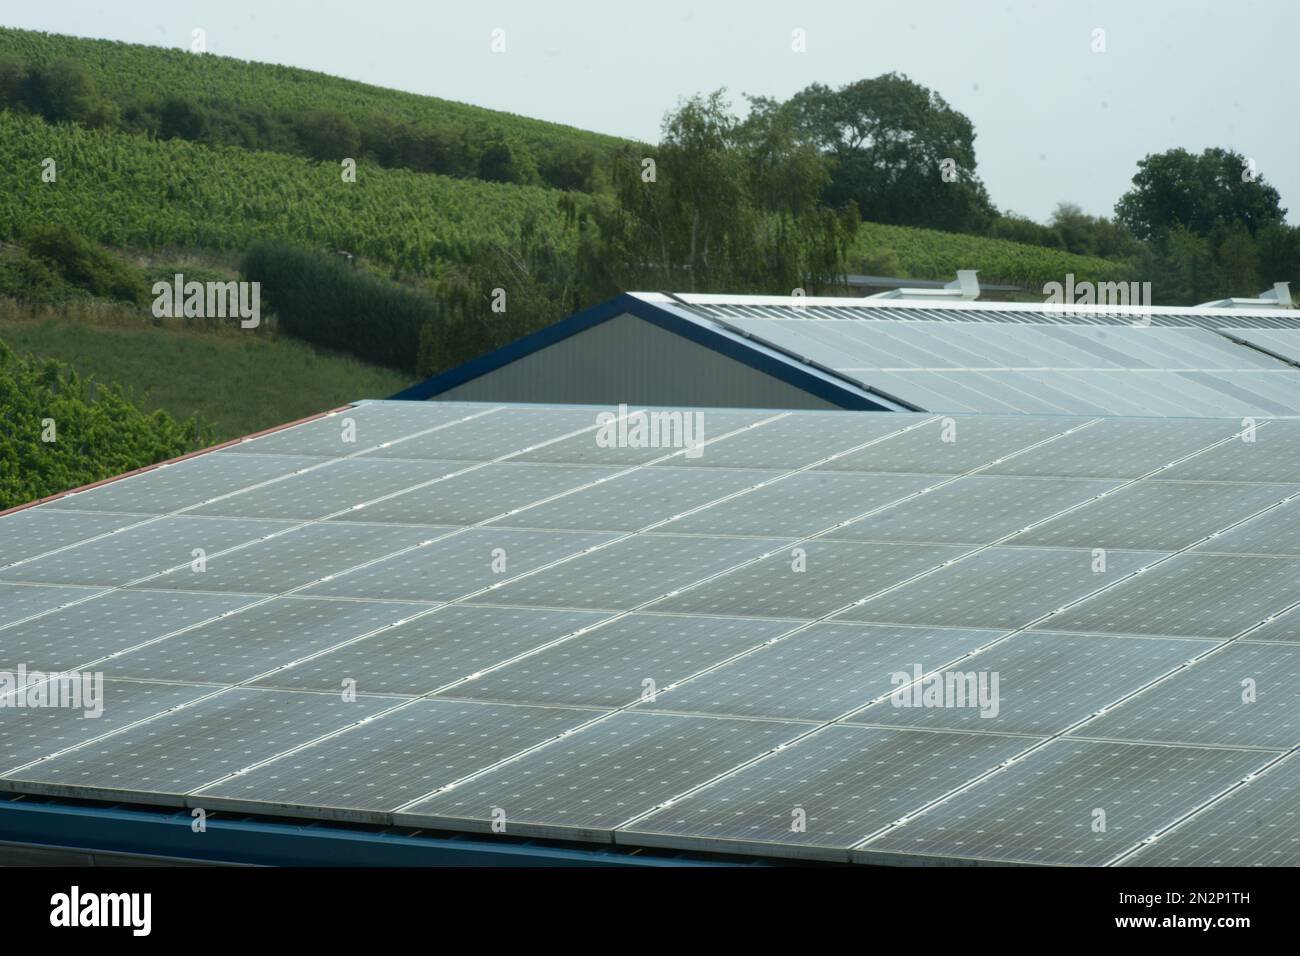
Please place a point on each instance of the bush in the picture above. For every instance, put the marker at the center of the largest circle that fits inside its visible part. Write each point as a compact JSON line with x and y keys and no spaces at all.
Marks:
{"x":325,"y":300}
{"x":84,"y":264}
{"x":99,"y":432}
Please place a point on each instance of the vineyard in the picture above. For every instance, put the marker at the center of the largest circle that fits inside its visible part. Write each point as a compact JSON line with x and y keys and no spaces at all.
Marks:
{"x":930,"y":254}
{"x":130,"y":71}
{"x":129,"y":191}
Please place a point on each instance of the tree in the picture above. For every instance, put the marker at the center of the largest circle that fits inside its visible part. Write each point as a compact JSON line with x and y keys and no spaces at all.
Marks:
{"x":900,"y":152}
{"x":720,"y":204}
{"x":1216,"y":189}
{"x":63,"y":92}
{"x":180,"y":118}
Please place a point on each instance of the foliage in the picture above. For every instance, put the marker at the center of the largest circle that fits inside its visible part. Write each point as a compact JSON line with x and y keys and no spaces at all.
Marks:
{"x":1214,"y":190}
{"x":99,"y":432}
{"x":130,"y":192}
{"x":890,"y":139}
{"x":221,"y":101}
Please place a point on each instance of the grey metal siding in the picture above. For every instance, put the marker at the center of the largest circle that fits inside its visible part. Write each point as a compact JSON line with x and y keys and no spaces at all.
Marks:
{"x":630,"y":360}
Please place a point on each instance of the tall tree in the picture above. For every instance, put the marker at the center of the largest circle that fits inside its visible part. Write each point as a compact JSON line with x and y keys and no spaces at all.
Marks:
{"x":899,"y":151}
{"x":1217,"y":189}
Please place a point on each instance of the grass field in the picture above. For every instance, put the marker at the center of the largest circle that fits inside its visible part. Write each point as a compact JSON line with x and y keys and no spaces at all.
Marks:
{"x":236,"y":383}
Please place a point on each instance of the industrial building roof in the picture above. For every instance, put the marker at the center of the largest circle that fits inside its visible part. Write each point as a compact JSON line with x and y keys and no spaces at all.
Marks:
{"x":856,"y":638}
{"x":954,"y":355}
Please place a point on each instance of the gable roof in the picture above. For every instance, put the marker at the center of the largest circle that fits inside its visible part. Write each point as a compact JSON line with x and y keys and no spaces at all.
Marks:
{"x":901,"y":355}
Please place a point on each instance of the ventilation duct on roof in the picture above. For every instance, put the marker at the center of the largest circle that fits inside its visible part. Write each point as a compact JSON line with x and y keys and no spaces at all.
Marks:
{"x":966,"y":286}
{"x":1278,"y":297}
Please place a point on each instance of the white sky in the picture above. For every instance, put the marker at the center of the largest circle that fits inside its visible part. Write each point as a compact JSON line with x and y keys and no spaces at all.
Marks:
{"x":1054,"y":121}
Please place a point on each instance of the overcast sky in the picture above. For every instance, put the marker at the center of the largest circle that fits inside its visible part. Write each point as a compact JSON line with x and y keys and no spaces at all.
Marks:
{"x":1054,"y":120}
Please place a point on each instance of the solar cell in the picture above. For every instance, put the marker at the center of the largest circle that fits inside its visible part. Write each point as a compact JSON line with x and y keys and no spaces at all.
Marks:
{"x":391,"y":760}
{"x":1276,"y":532}
{"x":635,"y":500}
{"x":1268,"y":453}
{"x":139,"y":551}
{"x":36,"y":531}
{"x":801,"y":504}
{"x":794,"y":441}
{"x":636,"y":657}
{"x":455,"y":564}
{"x":108,"y":624}
{"x":478,"y":494}
{"x":952,"y":446}
{"x":672,"y":433}
{"x":18,"y":601}
{"x":823,"y":794}
{"x":1033,"y":683}
{"x":809,"y":580}
{"x":190,"y":747}
{"x":1189,"y":596}
{"x":819,"y":673}
{"x":1162,"y":516}
{"x":584,"y":785}
{"x":417,"y":657}
{"x":358,"y":429}
{"x":630,"y":572}
{"x":290,"y":560}
{"x":974,"y":510}
{"x":1246,"y":695}
{"x":258,"y":639}
{"x":1117,"y":448}
{"x":1001,"y":588}
{"x":334,"y":487}
{"x":29,"y":733}
{"x":1256,"y":825}
{"x":170,"y":488}
{"x":486,"y":438}
{"x":1071,"y":803}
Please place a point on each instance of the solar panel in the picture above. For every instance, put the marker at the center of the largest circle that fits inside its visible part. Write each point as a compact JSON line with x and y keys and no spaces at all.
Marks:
{"x":1000,"y":588}
{"x":392,"y":760}
{"x":1033,"y":683}
{"x":817,"y":798}
{"x":170,"y":488}
{"x":683,"y":654}
{"x":139,"y":551}
{"x":635,"y":500}
{"x":456,"y":643}
{"x":1246,"y":695}
{"x":1166,"y":516}
{"x":820,"y":673}
{"x":455,"y":563}
{"x":952,"y":446}
{"x":974,"y":510}
{"x":1257,"y":824}
{"x":809,"y":580}
{"x":109,"y":623}
{"x":258,"y":639}
{"x":1190,"y":596}
{"x":585,"y":785}
{"x":478,"y":494}
{"x":1284,"y":343}
{"x":195,"y":745}
{"x":632,"y":658}
{"x":629,"y":572}
{"x":1068,"y":804}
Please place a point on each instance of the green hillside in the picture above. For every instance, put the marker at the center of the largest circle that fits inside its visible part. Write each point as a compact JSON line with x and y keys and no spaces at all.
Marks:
{"x":130,"y":191}
{"x":130,"y":71}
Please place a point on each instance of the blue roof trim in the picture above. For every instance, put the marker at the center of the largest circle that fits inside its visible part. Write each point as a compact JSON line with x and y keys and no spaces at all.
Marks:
{"x":168,"y":834}
{"x":736,"y":347}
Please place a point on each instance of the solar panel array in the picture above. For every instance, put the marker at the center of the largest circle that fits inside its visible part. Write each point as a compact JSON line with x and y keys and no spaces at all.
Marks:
{"x":836,"y":636}
{"x":952,"y":366}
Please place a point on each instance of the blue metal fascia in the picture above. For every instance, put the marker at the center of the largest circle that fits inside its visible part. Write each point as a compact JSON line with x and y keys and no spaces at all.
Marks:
{"x":732,"y":346}
{"x":261,"y":842}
